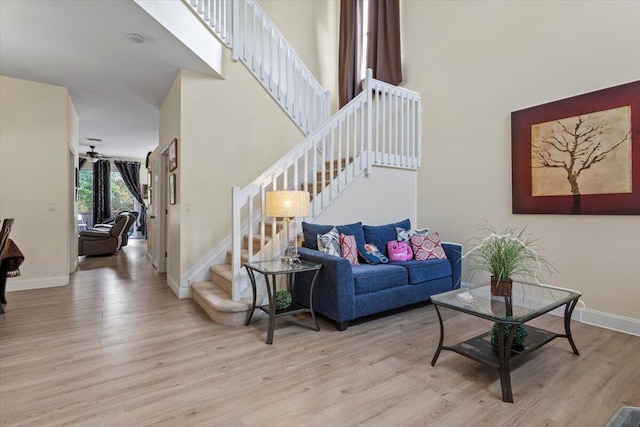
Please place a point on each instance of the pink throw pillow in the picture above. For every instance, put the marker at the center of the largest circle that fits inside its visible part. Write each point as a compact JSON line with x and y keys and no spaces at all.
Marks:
{"x":427,"y":247}
{"x":349,"y":249}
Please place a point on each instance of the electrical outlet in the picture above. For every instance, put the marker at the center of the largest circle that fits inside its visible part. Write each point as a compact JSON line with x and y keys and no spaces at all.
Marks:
{"x":51,"y":206}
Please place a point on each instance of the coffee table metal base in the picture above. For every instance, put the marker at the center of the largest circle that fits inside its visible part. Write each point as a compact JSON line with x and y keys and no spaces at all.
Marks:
{"x":481,"y":350}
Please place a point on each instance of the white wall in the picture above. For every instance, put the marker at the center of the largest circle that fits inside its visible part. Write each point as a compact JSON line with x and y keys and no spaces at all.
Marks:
{"x":38,"y":126}
{"x":387,"y":195}
{"x":170,"y":128}
{"x":476,"y":62}
{"x":232,"y":131}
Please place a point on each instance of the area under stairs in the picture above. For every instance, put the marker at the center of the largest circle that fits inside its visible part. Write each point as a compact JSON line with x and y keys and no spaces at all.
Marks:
{"x":214,"y":296}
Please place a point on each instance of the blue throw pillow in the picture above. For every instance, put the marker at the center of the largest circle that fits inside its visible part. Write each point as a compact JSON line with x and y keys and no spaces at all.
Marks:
{"x":310,"y":232}
{"x":379,"y":235}
{"x":371,"y":254}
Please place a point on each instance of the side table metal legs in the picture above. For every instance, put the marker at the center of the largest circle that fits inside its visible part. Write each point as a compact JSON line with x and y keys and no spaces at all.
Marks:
{"x":313,"y":314}
{"x":252,"y":279}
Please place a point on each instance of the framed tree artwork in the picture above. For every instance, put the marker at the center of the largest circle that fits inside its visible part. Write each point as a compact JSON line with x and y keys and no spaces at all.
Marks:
{"x":173,"y":155}
{"x":579,"y":155}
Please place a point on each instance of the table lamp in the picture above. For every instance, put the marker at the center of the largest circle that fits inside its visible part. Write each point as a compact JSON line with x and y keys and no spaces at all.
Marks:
{"x":288,"y":205}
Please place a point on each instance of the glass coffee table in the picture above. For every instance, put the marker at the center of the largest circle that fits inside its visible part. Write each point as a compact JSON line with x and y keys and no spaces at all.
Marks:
{"x":527,"y":301}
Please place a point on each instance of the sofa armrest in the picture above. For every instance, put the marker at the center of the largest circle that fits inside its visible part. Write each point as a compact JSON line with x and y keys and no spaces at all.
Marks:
{"x":334,"y":291}
{"x":454,"y":254}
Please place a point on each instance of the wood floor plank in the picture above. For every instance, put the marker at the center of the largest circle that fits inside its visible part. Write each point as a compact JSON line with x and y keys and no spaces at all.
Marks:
{"x":116,"y":347}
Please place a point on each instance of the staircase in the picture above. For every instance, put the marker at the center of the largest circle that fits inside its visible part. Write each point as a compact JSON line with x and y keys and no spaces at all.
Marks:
{"x":379,"y":127}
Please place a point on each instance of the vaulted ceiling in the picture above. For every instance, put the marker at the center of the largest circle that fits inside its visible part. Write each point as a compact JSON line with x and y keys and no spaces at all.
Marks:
{"x":116,"y":85}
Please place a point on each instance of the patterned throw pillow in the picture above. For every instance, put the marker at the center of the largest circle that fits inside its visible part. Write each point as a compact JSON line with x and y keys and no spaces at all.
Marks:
{"x":349,"y":249}
{"x":427,"y":247}
{"x":371,"y":254}
{"x":403,"y":235}
{"x":329,"y":243}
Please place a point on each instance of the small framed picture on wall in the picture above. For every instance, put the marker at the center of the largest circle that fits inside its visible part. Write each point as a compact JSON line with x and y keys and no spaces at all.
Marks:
{"x":173,"y":155}
{"x":172,"y":189}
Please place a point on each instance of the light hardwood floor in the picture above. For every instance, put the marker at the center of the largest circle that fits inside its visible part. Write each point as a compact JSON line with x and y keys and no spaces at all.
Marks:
{"x":117,"y":348}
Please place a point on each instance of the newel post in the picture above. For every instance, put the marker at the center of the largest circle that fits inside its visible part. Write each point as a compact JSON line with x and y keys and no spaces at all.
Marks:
{"x":236,"y":242}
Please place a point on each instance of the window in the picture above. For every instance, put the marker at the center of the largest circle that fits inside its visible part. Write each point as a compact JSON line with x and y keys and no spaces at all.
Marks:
{"x":121,"y":198}
{"x":85,"y":196}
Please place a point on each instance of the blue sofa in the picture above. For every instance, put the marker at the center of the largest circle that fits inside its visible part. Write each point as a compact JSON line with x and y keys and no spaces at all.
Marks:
{"x":344,"y":292}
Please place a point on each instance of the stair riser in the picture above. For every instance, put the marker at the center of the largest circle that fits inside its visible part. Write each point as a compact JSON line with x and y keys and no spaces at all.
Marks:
{"x":222,"y":282}
{"x":243,"y":258}
{"x":256,"y":241}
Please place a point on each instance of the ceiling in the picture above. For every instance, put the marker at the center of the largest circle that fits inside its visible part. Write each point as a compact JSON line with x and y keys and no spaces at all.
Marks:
{"x":116,"y":85}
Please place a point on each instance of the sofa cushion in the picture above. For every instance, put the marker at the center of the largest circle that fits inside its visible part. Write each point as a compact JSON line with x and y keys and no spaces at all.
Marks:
{"x":372,"y":278}
{"x":421,"y":271}
{"x":311,"y":231}
{"x":379,"y":235}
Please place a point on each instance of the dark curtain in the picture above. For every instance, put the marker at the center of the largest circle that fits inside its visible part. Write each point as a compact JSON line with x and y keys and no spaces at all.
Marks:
{"x":349,"y":50}
{"x":81,"y":163}
{"x":130,"y":172}
{"x":383,"y":52}
{"x":101,"y":191}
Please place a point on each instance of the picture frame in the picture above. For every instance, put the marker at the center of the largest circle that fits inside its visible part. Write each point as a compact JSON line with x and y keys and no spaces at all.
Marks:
{"x":172,"y":189}
{"x":578,"y":155}
{"x":173,"y":155}
{"x":77,"y":177}
{"x":145,"y":191}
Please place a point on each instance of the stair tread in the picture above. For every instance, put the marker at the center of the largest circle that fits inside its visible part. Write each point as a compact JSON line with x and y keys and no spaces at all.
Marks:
{"x":218,"y":298}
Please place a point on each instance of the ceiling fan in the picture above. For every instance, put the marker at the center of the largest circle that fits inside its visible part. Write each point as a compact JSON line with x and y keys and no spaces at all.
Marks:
{"x":93,"y":156}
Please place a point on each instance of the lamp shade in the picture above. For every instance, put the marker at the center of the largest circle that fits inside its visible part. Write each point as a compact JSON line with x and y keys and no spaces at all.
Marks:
{"x":287,"y":204}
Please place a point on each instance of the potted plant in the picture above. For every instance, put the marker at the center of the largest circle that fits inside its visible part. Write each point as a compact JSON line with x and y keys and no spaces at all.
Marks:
{"x":505,"y":254}
{"x":518,"y":339}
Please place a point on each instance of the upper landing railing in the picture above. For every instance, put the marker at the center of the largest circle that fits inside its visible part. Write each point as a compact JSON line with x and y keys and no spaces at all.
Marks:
{"x":243,"y":26}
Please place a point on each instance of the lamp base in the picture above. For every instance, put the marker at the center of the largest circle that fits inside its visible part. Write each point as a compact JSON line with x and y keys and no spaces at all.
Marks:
{"x":290,"y":259}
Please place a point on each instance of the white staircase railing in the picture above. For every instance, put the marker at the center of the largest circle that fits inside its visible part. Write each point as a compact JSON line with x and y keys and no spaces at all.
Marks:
{"x":243,"y":26}
{"x":381,"y":126}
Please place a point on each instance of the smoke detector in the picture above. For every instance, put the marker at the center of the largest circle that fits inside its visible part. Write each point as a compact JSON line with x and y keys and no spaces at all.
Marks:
{"x":136,"y":38}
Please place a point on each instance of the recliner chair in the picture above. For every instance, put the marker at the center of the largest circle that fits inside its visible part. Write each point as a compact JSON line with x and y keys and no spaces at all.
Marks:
{"x":133,"y":216}
{"x":102,"y":242}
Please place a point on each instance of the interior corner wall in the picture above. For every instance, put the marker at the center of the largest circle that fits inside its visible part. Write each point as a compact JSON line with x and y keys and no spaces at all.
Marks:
{"x":73,"y":147}
{"x":231,"y":132}
{"x":170,"y":128}
{"x":476,"y":62}
{"x":34,"y":178}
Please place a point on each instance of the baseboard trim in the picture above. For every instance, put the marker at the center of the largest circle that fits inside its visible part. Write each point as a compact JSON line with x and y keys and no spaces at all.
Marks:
{"x":627,"y":325}
{"x":200,"y":271}
{"x":18,"y":284}
{"x":181,"y":292}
